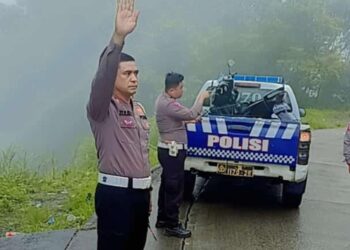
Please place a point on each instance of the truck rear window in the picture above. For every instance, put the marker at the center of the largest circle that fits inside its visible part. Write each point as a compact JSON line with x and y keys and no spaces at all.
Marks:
{"x":242,"y":100}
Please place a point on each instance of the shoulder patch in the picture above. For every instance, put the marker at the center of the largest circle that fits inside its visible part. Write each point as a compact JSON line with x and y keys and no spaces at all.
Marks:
{"x":175,"y":105}
{"x":139,"y":109}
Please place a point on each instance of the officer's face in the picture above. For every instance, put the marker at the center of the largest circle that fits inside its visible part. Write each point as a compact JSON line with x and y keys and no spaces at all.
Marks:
{"x":178,"y":91}
{"x":126,"y":82}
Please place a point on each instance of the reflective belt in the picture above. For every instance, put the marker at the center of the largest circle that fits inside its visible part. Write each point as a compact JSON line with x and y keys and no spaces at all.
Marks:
{"x":125,"y":182}
{"x":179,"y":146}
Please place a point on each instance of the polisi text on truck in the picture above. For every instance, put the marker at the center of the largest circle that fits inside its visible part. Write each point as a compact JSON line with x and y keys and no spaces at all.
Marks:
{"x":228,"y":142}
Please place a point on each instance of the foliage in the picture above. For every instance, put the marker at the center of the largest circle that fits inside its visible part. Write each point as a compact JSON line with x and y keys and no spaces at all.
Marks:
{"x":153,"y":142}
{"x":32,"y":200}
{"x":321,"y":119}
{"x":307,"y":42}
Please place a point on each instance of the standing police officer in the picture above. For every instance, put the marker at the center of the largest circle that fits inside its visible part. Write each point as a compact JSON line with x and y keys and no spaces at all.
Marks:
{"x":171,"y":117}
{"x":120,"y":129}
{"x":347,"y":147}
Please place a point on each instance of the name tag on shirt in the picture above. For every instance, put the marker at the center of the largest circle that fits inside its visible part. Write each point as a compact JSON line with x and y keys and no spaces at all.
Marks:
{"x":124,"y":113}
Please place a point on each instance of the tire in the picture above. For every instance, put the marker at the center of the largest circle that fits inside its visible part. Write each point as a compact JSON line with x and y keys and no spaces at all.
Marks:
{"x":190,"y":180}
{"x":292,"y":194}
{"x":292,"y":200}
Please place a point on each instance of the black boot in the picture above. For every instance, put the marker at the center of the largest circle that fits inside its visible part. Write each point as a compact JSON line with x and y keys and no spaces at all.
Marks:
{"x":178,"y":231}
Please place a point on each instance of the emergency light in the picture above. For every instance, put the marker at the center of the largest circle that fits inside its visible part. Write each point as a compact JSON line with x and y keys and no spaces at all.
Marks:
{"x":253,"y":78}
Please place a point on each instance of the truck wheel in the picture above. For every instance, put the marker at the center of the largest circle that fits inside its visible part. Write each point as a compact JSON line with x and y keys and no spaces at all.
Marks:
{"x":190,"y":180}
{"x":292,"y":200}
{"x":292,"y":194}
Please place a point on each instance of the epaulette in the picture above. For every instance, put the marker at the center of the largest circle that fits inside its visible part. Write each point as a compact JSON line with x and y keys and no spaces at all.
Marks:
{"x":138,"y":105}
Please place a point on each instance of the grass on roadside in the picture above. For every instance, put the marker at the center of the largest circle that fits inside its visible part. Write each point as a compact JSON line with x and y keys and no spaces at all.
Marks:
{"x":33,"y":201}
{"x":47,"y":198}
{"x":322,"y":119}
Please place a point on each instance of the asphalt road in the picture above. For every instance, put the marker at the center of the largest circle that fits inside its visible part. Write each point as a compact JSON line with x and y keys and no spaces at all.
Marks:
{"x":233,"y":215}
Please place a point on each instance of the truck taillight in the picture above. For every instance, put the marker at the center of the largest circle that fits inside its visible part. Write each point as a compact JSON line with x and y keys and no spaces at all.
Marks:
{"x":305,"y":136}
{"x":304,"y":147}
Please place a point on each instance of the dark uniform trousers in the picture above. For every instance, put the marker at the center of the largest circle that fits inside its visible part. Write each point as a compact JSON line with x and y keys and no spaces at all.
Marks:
{"x":122,"y":217}
{"x":171,"y":187}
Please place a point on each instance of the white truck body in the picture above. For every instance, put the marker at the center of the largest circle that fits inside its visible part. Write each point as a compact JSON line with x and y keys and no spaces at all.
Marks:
{"x":250,"y":147}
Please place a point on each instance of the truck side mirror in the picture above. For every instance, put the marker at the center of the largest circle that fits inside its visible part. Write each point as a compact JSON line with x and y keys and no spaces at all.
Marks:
{"x":302,"y":112}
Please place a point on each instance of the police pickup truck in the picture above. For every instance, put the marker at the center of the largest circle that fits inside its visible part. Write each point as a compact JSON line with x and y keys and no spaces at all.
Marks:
{"x":251,"y":128}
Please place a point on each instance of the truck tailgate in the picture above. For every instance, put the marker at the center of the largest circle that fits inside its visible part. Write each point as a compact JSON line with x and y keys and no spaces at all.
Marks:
{"x":244,"y":140}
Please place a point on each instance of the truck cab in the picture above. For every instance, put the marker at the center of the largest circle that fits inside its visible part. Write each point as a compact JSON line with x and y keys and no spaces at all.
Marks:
{"x":243,"y":134}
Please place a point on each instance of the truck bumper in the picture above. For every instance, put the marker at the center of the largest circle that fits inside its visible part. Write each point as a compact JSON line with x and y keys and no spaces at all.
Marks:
{"x":261,"y":170}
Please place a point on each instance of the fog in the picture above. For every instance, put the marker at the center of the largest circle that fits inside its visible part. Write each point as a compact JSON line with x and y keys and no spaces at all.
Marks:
{"x":49,"y":52}
{"x":8,"y":2}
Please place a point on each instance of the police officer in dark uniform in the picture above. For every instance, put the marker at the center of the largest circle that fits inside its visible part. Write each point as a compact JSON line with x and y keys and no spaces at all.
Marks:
{"x":171,"y":117}
{"x":121,"y":130}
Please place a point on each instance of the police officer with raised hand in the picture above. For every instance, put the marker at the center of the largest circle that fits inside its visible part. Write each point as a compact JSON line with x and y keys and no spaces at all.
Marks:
{"x":121,"y":130}
{"x":347,"y":146}
{"x":171,"y":117}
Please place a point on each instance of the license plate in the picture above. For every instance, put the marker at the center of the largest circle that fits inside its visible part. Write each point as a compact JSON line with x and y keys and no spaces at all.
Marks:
{"x":235,"y":170}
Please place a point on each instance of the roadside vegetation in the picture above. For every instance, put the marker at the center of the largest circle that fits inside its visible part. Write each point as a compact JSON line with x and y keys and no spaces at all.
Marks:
{"x":322,"y":119}
{"x":36,"y":197}
{"x":44,"y":198}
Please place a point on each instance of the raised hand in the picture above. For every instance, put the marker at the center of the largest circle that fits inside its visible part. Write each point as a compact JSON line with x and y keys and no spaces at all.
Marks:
{"x":125,"y":20}
{"x":202,"y":96}
{"x":205,"y":94}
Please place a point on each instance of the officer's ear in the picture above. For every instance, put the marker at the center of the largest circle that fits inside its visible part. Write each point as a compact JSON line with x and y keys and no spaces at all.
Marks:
{"x":170,"y":92}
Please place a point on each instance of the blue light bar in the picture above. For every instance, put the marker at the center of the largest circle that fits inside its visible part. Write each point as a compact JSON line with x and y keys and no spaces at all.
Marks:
{"x":252,"y":78}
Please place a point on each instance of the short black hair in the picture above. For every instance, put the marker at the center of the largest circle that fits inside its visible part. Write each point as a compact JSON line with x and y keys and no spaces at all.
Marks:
{"x":126,"y":58}
{"x":172,"y":80}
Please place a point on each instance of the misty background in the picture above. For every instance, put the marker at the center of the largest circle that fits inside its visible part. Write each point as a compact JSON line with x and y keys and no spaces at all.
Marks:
{"x":49,"y":52}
